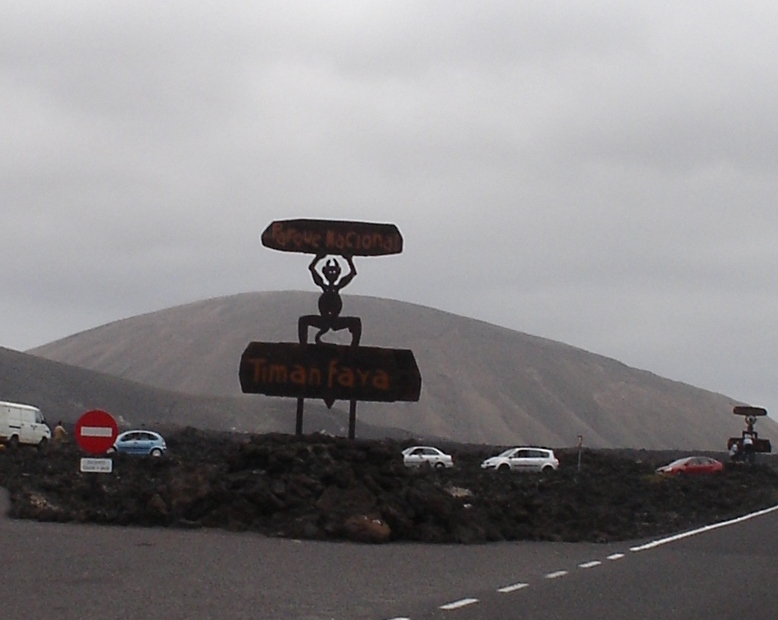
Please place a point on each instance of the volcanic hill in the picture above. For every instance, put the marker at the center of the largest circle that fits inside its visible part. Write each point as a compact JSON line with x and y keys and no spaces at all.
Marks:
{"x":481,"y":383}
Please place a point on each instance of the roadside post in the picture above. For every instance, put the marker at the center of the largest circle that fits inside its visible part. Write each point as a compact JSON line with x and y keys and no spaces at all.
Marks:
{"x":580,"y":445}
{"x":95,"y":432}
{"x":321,"y":369}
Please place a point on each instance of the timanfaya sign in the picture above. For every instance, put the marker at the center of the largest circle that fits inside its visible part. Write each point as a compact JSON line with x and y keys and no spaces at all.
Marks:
{"x":330,"y":372}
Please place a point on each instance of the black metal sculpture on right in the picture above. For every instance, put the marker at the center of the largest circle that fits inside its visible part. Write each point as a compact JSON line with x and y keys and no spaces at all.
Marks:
{"x":748,"y":445}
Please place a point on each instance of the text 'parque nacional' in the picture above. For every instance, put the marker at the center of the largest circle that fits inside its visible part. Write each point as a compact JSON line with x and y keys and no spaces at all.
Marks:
{"x":333,"y":237}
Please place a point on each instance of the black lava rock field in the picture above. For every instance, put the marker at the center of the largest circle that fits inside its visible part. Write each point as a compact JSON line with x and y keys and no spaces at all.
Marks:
{"x":330,"y":488}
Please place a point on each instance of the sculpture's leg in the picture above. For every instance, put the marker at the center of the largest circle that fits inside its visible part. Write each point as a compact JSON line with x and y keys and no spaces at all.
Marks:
{"x":321,"y":332}
{"x":308,"y":321}
{"x":302,"y":330}
{"x":355,"y":327}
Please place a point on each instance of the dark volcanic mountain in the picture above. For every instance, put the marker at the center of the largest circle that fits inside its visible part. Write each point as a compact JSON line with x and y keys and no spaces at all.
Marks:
{"x":481,"y":383}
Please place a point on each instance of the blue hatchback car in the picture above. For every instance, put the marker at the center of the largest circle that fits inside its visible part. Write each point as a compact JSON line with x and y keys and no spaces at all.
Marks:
{"x":141,"y":442}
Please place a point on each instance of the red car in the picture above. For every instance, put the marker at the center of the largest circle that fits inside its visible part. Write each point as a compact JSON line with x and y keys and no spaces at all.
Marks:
{"x":692,"y":465}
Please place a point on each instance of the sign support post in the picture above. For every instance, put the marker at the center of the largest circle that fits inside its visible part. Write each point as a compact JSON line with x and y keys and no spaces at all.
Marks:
{"x":352,"y":419}
{"x":298,"y":429}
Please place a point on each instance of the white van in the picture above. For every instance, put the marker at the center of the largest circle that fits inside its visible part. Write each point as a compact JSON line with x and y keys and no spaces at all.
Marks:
{"x":23,"y":424}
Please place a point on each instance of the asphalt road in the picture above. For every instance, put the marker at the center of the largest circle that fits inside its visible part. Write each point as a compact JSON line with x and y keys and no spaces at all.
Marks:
{"x":82,"y":572}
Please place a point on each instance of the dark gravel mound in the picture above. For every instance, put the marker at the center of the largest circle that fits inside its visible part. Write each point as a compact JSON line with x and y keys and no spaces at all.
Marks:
{"x":321,"y":487}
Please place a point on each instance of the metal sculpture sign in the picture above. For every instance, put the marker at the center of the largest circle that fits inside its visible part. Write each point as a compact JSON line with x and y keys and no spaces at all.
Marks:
{"x":324,"y":370}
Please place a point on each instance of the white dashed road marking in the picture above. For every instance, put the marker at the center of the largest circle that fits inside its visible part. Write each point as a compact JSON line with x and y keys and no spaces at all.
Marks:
{"x":614,"y":556}
{"x":557,"y":574}
{"x":460,"y":603}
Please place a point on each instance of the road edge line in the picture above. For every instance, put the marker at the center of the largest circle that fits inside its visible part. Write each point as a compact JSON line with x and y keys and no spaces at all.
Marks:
{"x":701,"y":530}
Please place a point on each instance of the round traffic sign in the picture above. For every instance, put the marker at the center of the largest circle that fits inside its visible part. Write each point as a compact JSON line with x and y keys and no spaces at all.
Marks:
{"x":95,"y":431}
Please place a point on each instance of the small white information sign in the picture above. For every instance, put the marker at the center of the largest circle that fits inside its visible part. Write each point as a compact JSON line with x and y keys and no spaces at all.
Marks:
{"x":97,"y":466}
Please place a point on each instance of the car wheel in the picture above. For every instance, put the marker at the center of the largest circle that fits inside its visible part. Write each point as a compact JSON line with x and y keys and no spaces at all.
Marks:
{"x":156,"y":452}
{"x":547,"y":468}
{"x":43,"y":444}
{"x":439,"y":465}
{"x":13,"y":442}
{"x":504,"y":467}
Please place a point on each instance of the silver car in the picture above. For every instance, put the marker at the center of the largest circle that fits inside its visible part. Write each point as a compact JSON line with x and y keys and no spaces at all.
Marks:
{"x":529,"y":458}
{"x":140,"y":442}
{"x":416,"y":456}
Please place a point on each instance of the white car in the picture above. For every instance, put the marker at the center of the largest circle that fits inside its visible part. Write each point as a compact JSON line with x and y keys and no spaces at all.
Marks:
{"x":416,"y":456}
{"x":527,"y":458}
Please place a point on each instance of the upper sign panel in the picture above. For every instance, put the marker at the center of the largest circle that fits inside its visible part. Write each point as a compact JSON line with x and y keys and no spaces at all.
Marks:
{"x":333,"y":237}
{"x":746,"y":410}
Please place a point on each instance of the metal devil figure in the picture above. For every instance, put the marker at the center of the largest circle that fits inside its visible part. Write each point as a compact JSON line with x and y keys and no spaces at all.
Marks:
{"x":319,"y":369}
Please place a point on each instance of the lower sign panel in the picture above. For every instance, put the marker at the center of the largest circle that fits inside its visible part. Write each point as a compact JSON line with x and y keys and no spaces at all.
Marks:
{"x":331,"y":372}
{"x":96,"y":466}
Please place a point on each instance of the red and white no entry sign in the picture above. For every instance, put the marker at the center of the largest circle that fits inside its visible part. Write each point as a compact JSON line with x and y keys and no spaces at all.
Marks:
{"x":95,"y":431}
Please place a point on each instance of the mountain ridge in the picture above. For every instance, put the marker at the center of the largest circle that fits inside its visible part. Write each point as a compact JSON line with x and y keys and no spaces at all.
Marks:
{"x":481,"y":383}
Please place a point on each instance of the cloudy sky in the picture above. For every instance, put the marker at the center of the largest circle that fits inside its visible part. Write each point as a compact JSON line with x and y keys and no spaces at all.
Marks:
{"x":599,"y":173}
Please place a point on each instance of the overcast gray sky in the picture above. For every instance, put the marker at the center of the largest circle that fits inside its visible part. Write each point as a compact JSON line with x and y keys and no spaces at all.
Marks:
{"x":598,"y":173}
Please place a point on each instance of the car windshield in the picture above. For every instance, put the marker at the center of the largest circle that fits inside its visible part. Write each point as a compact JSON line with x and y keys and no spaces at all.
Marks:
{"x":679,"y":462}
{"x":508,"y":452}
